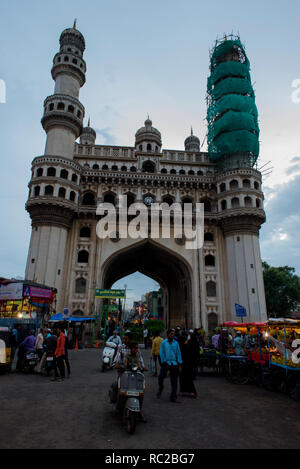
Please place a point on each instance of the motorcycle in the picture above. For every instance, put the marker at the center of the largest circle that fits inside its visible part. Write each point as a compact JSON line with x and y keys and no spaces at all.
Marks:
{"x":108,"y":355}
{"x":131,"y":390}
{"x":30,"y":361}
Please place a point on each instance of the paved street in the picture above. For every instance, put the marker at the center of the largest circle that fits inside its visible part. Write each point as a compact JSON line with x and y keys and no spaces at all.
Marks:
{"x":37,"y":413}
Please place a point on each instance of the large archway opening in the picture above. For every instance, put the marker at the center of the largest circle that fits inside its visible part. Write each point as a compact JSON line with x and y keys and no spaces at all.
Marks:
{"x":165,"y":267}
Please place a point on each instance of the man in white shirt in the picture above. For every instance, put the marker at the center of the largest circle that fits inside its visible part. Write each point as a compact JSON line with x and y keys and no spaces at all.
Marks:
{"x":39,"y":342}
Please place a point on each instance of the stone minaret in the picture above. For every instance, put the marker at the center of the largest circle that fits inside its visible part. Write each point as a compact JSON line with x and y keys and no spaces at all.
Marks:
{"x":54,"y":186}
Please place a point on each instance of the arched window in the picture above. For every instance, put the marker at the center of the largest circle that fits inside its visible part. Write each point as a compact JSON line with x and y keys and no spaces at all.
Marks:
{"x":60,"y":107}
{"x":141,"y":147}
{"x":114,"y":168}
{"x":64,"y":174}
{"x":234,"y":184}
{"x":235,"y":202}
{"x":256,"y":185}
{"x":105,"y":167}
{"x":74,"y":178}
{"x":148,"y":167}
{"x":88,"y":199}
{"x":182,"y":172}
{"x":51,"y":107}
{"x":156,"y":149}
{"x":85,"y":232}
{"x":49,"y":190}
{"x":149,"y":148}
{"x":71,"y":109}
{"x":80,"y":285}
{"x":223,"y":187}
{"x":200,"y":173}
{"x":211,"y":289}
{"x":209,"y":237}
{"x":212,"y":322}
{"x":164,"y":171}
{"x":79,"y":114}
{"x":39,"y":172}
{"x":51,"y":172}
{"x":210,"y":260}
{"x":96,"y":166}
{"x":130,"y":199}
{"x":224,"y":204}
{"x":246,"y":183}
{"x":62,"y":192}
{"x":72,"y":196}
{"x":83,"y":257}
{"x":191,"y":172}
{"x":133,"y":169}
{"x":37,"y":191}
{"x":248,"y":202}
{"x":187,"y":200}
{"x":207,"y":205}
{"x":124,"y":168}
{"x":258,"y":203}
{"x":109,"y":198}
{"x":173,"y":171}
{"x":168,"y":200}
{"x":66,"y":58}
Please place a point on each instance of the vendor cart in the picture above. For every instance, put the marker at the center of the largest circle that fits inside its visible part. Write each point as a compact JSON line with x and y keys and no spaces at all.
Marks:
{"x":5,"y":349}
{"x":283,"y":336}
{"x":209,"y":359}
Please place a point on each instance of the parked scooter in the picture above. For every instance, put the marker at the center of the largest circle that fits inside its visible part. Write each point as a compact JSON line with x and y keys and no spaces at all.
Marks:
{"x":108,"y":355}
{"x":131,"y":390}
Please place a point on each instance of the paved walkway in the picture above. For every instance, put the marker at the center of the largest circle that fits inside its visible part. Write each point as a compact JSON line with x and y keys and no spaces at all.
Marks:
{"x":37,"y":413}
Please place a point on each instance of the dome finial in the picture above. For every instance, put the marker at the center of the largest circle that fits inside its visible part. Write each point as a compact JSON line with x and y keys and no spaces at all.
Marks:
{"x":192,"y":133}
{"x":75,"y":24}
{"x":89,"y":122}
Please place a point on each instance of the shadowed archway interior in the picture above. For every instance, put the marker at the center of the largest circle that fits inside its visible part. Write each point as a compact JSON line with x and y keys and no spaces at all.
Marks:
{"x":164,"y":267}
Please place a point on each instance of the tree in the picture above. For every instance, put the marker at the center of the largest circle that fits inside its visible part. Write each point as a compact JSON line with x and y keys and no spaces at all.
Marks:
{"x":282,"y":288}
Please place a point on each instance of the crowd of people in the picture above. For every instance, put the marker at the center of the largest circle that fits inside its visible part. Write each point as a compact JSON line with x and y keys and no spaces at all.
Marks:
{"x":47,"y":341}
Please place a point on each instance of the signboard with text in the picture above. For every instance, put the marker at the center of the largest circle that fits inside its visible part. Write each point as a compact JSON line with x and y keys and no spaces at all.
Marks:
{"x":109,"y":294}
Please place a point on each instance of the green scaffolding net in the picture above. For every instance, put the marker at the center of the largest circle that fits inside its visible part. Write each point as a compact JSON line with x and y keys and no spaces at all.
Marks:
{"x":232,"y":114}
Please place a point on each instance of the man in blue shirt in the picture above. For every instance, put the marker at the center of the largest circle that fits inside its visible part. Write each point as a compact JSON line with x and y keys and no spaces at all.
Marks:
{"x":171,"y":360}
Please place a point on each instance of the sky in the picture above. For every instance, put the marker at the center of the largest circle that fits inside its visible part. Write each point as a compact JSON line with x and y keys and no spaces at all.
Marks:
{"x":149,"y":57}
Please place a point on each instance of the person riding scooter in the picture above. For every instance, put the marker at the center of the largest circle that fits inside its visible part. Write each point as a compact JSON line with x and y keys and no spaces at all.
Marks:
{"x":27,"y":345}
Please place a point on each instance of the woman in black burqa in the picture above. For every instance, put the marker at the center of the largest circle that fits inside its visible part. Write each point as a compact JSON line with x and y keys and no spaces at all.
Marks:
{"x":189,"y":351}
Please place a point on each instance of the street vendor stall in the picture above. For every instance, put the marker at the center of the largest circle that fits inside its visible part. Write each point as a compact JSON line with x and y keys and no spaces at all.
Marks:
{"x":283,"y":338}
{"x":246,"y":363}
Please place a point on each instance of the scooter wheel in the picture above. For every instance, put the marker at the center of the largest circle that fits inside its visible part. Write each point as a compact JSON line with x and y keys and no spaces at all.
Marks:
{"x":131,"y":422}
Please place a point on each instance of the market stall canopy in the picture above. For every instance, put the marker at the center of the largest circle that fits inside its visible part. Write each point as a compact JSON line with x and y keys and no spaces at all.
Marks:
{"x":245,"y":324}
{"x":59,"y":317}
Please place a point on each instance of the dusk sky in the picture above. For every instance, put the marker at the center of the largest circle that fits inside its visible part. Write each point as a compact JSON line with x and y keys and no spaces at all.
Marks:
{"x":149,"y":57}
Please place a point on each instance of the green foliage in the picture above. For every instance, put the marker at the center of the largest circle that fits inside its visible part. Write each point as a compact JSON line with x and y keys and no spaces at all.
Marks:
{"x":137,"y":333}
{"x":282,"y":288}
{"x":155,"y":326}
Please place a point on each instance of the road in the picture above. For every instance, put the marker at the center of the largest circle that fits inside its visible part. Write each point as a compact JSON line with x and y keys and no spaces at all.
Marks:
{"x":37,"y":413}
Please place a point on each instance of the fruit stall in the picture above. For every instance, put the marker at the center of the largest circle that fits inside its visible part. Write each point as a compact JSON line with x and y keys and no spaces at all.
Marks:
{"x":283,"y":338}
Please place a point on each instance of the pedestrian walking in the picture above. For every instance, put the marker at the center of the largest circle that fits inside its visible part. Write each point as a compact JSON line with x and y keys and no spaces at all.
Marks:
{"x":187,"y":376}
{"x":146,"y":337}
{"x":66,"y":356}
{"x":155,"y":352}
{"x":59,"y":355}
{"x":39,"y":343}
{"x":171,"y":361}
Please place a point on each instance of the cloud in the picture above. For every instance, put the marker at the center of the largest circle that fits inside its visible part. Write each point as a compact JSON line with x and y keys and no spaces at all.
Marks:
{"x":280,"y":240}
{"x":107,"y":137}
{"x":295,"y":168}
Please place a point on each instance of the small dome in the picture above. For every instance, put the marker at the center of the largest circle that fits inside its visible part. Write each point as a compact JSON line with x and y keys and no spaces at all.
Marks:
{"x":88,"y":135}
{"x":72,"y":37}
{"x":148,"y":134}
{"x":192,"y":143}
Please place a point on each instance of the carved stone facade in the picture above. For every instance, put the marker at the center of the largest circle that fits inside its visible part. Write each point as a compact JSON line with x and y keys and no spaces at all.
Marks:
{"x":200,"y":287}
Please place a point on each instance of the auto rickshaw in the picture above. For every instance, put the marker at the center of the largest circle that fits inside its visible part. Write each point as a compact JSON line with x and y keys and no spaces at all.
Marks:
{"x":5,"y":349}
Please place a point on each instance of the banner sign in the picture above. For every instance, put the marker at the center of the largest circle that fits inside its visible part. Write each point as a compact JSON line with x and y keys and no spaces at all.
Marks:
{"x":110,"y":308}
{"x":241,"y":312}
{"x":12,"y":291}
{"x":37,"y":292}
{"x":109,"y":293}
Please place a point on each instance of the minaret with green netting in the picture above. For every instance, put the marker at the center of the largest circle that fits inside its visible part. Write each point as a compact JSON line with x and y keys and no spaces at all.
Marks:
{"x":233,"y":132}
